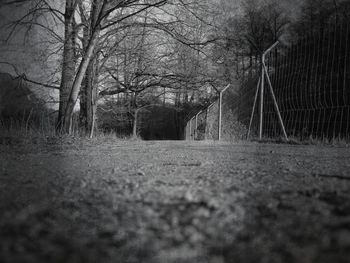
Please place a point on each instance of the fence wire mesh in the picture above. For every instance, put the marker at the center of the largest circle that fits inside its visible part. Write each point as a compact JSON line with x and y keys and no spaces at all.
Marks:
{"x":203,"y":122}
{"x":311,"y":81}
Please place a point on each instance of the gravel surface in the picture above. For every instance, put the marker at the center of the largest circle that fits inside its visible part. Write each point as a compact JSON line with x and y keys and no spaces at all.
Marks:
{"x":173,"y":202}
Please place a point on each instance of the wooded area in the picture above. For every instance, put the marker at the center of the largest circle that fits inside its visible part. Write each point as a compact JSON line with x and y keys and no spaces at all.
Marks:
{"x":116,"y":61}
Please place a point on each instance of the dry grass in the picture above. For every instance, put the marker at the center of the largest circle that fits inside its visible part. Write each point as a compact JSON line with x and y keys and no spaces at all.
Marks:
{"x":336,"y":142}
{"x":25,"y":133}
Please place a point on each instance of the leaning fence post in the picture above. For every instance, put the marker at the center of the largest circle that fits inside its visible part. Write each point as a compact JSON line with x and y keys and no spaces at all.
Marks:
{"x":275,"y":102}
{"x":263,"y":73}
{"x":253,"y":110}
{"x":262,"y":87}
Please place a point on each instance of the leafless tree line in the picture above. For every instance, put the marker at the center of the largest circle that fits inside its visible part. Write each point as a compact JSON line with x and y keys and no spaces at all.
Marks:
{"x":135,"y":52}
{"x":117,"y":47}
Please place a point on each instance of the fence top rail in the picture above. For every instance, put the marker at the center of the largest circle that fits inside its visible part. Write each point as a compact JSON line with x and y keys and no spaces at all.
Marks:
{"x":229,"y":85}
{"x":270,"y":48}
{"x":211,"y":105}
{"x":207,"y":107}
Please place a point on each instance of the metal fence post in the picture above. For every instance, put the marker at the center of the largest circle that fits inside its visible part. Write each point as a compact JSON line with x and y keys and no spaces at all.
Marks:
{"x":206,"y":123}
{"x":265,"y":72}
{"x":207,"y":128}
{"x":196,"y":128}
{"x":186,"y":131}
{"x":253,"y":110}
{"x":275,"y":103}
{"x":190,"y":129}
{"x":262,"y":83}
{"x":220,"y":117}
{"x":220,"y":111}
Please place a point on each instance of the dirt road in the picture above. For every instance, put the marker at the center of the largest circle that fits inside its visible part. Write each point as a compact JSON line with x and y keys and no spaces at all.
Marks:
{"x":174,"y":202}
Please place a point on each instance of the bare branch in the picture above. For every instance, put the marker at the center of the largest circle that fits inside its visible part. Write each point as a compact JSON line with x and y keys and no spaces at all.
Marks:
{"x":24,"y":77}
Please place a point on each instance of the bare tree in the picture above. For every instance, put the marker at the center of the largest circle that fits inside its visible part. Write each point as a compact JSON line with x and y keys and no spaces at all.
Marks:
{"x":152,"y":54}
{"x":317,"y":14}
{"x":92,"y":42}
{"x":247,"y":34}
{"x":68,"y":59}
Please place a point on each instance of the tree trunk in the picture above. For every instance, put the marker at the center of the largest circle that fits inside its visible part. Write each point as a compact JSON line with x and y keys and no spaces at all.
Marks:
{"x":134,"y":127}
{"x":78,"y":81}
{"x":87,"y":81}
{"x":91,"y":40}
{"x":94,"y":97}
{"x":68,"y":64}
{"x":87,"y":98}
{"x":88,"y":90}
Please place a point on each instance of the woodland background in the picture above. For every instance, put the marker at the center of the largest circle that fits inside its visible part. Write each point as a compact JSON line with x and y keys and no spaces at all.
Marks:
{"x":139,"y":67}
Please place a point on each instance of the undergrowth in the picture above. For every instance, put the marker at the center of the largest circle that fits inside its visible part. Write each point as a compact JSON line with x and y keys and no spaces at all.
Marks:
{"x":24,"y":133}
